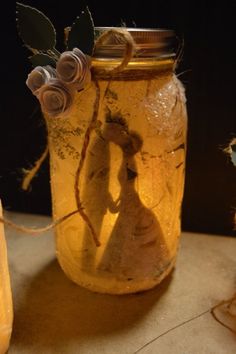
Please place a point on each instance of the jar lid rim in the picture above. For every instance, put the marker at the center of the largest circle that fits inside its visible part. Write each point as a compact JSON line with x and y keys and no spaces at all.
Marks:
{"x":143,"y":35}
{"x":150,"y":42}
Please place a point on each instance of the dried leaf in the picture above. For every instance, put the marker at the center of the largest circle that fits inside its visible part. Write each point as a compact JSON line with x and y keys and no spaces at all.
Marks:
{"x":42,"y":60}
{"x":35,"y":29}
{"x":81,"y":34}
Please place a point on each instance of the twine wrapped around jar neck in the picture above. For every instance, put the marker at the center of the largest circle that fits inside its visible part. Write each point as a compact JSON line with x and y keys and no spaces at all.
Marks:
{"x":121,"y":36}
{"x":118,"y":57}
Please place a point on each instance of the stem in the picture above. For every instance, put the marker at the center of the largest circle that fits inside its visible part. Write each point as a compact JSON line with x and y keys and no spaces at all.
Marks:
{"x":30,"y":174}
{"x":57,"y":53}
{"x":34,"y":51}
{"x":54,"y":53}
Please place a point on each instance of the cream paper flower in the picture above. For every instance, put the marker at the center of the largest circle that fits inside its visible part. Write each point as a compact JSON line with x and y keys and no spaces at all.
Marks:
{"x":40,"y":76}
{"x":73,"y":67}
{"x":56,"y":98}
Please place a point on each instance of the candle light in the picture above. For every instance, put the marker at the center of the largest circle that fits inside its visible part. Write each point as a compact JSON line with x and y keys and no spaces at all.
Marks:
{"x":6,"y":310}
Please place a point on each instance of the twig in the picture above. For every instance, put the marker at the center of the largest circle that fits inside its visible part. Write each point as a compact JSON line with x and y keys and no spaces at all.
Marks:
{"x":30,"y":174}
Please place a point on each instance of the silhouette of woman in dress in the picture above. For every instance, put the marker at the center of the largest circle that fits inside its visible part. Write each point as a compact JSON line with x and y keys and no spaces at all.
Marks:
{"x":136,"y":247}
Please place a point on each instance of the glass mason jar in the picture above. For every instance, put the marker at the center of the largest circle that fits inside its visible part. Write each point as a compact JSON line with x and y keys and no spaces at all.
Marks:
{"x":132,"y":179}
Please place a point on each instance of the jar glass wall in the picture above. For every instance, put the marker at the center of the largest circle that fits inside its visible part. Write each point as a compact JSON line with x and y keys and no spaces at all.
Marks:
{"x":131,"y":184}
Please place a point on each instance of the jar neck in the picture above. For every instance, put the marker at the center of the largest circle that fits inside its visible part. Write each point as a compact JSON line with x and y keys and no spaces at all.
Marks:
{"x":137,"y":68}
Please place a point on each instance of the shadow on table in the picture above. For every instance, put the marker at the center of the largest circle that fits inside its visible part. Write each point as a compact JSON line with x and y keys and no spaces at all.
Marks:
{"x":54,"y":311}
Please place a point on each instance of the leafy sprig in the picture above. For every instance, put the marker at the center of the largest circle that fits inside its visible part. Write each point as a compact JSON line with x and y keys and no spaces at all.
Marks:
{"x":39,"y":34}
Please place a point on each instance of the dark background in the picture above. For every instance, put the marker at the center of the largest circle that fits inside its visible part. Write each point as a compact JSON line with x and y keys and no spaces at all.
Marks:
{"x":209,"y":76}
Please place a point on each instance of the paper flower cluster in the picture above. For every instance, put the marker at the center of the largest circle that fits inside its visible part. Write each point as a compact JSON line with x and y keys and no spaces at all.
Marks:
{"x":56,"y":76}
{"x":55,"y":88}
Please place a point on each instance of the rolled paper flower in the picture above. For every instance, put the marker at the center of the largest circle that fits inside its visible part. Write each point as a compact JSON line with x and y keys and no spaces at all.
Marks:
{"x":56,"y":98}
{"x":40,"y":76}
{"x":73,"y":67}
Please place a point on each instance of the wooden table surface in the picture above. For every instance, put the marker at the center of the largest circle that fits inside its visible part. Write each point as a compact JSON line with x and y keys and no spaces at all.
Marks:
{"x":53,"y":315}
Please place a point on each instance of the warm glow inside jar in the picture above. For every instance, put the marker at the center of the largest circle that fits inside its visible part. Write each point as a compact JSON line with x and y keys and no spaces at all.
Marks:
{"x":131,"y":184}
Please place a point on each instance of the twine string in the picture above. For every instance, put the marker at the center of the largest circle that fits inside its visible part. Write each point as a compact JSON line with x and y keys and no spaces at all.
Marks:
{"x":36,"y":231}
{"x":81,"y":164}
{"x":118,"y":36}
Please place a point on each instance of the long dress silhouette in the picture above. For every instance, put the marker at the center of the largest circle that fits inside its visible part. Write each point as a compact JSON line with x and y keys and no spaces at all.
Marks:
{"x":136,"y":247}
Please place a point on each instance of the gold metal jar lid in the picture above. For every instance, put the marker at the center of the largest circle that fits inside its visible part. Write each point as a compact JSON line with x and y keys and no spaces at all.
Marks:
{"x":150,"y":43}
